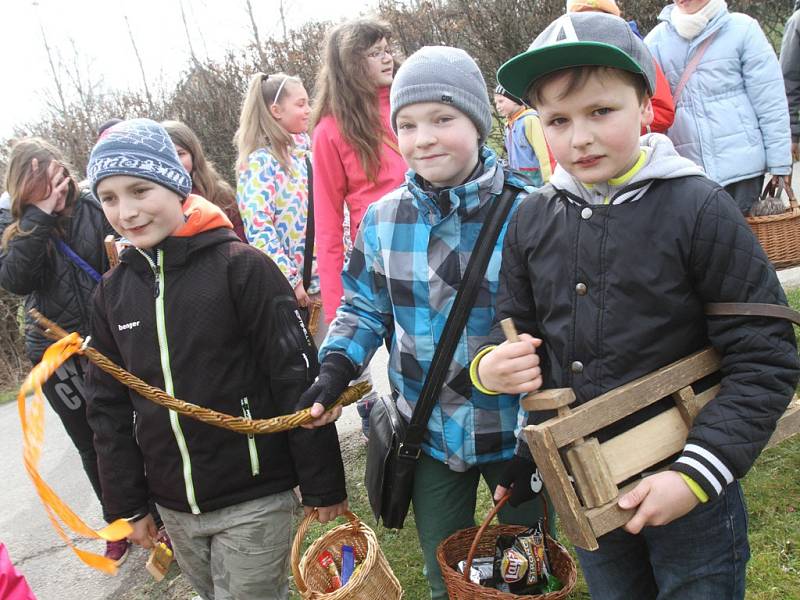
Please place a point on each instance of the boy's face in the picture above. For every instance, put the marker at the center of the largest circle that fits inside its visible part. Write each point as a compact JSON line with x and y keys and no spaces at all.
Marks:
{"x":438,"y":141}
{"x":140,"y":210}
{"x":594,"y":131}
{"x":505,"y":106}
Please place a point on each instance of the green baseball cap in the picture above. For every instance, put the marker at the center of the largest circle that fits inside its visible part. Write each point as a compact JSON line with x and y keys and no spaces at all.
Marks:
{"x":579,"y":40}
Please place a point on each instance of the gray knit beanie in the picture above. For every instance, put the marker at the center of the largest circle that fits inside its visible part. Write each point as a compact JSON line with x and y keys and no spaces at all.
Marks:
{"x":447,"y":75}
{"x":139,"y":148}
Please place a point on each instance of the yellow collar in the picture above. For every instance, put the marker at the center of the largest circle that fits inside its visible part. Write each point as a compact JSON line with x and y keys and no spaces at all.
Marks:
{"x":627,"y":175}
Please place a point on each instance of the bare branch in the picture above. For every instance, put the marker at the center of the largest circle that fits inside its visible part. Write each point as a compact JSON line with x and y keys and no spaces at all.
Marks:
{"x":281,"y":8}
{"x":256,"y":36}
{"x":139,"y":60}
{"x":53,"y":70}
{"x":188,"y":37}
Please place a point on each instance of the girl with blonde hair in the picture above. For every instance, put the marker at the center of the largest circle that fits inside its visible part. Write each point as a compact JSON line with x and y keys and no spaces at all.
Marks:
{"x":272,"y":184}
{"x":52,"y":253}
{"x":206,"y":182}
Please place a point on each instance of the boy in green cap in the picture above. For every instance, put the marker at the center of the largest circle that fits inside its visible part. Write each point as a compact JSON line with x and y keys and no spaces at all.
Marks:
{"x":607,"y":271}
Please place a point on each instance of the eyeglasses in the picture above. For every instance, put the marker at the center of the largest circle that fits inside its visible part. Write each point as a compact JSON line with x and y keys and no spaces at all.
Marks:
{"x":378,"y":54}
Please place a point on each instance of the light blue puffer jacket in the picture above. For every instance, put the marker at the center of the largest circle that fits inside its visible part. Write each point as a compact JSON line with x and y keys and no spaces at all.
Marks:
{"x":732,"y":117}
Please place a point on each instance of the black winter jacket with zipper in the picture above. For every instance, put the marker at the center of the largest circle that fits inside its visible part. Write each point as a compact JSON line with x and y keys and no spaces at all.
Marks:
{"x":617,"y":291}
{"x":33,"y":267}
{"x":218,"y":319}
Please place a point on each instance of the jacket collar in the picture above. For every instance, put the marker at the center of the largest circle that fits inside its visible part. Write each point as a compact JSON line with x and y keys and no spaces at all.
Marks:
{"x":715,"y":24}
{"x":177,"y":250}
{"x":465,"y":198}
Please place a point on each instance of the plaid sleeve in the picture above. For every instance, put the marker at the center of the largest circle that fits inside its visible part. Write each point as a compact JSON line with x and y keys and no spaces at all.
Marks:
{"x":365,"y":317}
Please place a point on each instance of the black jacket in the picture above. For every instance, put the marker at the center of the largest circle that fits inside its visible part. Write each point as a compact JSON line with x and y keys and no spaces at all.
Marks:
{"x":233,"y":341}
{"x":33,"y":267}
{"x":617,"y":292}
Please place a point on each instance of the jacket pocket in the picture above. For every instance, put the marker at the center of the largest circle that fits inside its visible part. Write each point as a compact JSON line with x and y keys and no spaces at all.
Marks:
{"x":294,"y":352}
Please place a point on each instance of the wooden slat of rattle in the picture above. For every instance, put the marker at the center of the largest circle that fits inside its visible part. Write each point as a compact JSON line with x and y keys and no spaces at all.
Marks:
{"x":508,"y":328}
{"x":111,"y":251}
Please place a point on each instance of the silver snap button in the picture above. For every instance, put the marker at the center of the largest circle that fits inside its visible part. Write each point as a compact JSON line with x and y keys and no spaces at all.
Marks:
{"x":581,"y":289}
{"x":586,"y":213}
{"x":577,"y":367}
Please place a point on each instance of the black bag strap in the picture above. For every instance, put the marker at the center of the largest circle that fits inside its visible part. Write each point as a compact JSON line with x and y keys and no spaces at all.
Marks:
{"x":410,"y":448}
{"x":308,"y":253}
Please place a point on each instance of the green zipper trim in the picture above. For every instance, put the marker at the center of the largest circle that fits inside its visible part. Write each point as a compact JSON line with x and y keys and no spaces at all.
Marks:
{"x":255,"y":466}
{"x":161,"y":327}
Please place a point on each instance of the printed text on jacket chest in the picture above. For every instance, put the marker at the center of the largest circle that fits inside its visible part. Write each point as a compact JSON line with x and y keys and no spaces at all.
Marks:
{"x":125,"y":326}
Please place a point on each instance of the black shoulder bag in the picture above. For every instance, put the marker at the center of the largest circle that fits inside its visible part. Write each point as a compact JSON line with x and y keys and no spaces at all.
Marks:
{"x":394,"y":446}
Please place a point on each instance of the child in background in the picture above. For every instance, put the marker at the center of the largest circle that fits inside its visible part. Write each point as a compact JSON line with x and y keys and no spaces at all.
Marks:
{"x":525,"y":144}
{"x":272,"y":189}
{"x":663,"y":106}
{"x":355,"y":154}
{"x":400,"y":284}
{"x":213,"y":321}
{"x":206,"y":182}
{"x":730,"y":115}
{"x":52,"y":253}
{"x":607,"y":271}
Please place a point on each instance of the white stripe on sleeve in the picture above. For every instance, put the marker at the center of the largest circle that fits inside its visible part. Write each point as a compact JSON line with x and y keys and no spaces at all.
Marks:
{"x":715,"y":462}
{"x":700,"y":468}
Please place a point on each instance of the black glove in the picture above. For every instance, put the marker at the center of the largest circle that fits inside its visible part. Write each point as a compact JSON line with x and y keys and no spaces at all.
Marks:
{"x":521,"y":475}
{"x":335,"y":373}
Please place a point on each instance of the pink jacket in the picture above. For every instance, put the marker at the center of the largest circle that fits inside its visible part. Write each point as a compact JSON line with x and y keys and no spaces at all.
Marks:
{"x":339,"y":179}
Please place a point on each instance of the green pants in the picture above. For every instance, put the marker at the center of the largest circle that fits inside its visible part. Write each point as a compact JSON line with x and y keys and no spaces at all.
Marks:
{"x":444,"y":502}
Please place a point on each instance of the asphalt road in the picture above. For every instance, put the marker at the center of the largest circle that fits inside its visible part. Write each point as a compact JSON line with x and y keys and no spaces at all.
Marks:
{"x":51,"y":568}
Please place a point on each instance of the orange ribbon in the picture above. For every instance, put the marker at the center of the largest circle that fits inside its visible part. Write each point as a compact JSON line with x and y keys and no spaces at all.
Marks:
{"x":31,"y":416}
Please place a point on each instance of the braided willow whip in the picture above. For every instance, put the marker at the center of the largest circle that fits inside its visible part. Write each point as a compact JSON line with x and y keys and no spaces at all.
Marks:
{"x":206,"y":415}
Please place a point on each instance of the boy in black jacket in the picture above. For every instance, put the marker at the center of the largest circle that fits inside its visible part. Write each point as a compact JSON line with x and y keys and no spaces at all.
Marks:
{"x":212,"y":321}
{"x":610,"y":266}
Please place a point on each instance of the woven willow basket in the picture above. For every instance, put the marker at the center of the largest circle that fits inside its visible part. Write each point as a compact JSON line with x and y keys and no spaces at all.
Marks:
{"x":480,"y":542}
{"x":780,"y":234}
{"x":373,"y":581}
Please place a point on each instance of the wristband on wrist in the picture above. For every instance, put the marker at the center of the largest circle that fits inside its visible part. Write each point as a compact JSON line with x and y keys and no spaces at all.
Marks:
{"x":696,"y":489}
{"x":473,"y":372}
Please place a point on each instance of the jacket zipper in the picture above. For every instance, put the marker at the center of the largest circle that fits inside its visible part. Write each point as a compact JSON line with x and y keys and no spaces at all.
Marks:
{"x":255,"y":467}
{"x":161,"y":328}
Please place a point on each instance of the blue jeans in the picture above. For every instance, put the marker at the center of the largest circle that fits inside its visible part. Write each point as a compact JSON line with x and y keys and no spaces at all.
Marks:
{"x":701,"y":556}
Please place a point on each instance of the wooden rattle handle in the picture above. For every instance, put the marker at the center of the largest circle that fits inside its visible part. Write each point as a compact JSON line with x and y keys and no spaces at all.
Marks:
{"x":508,"y":328}
{"x":553,"y":399}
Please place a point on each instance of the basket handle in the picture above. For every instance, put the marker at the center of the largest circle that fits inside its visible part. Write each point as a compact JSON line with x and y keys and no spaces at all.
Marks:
{"x":775,"y":187}
{"x":302,"y":530}
{"x":495,"y":509}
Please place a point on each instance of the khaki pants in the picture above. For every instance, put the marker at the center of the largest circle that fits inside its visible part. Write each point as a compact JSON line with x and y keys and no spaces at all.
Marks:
{"x":239,"y":552}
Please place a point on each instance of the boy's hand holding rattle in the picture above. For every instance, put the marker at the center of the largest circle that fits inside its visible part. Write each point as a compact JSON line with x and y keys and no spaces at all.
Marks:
{"x":512,"y":367}
{"x":660,"y":498}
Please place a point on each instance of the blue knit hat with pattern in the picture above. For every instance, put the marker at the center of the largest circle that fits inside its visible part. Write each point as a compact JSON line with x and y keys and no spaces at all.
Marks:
{"x":138,"y":148}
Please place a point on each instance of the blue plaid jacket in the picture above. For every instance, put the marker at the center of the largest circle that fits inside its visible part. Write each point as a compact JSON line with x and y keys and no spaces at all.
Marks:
{"x":400,"y":283}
